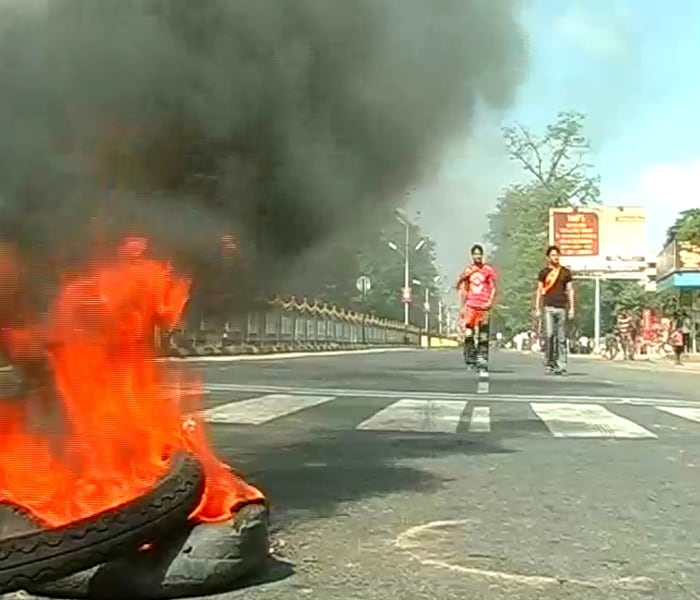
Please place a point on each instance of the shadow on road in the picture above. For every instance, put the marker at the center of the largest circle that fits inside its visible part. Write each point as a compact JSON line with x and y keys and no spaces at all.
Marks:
{"x":275,"y":570}
{"x":311,"y":477}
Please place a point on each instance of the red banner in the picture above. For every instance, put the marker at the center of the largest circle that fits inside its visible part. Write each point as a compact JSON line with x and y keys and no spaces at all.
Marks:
{"x":576,"y":233}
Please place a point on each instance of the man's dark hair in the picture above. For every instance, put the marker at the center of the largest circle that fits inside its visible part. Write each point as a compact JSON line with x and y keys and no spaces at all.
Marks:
{"x":551,"y":249}
{"x":477,"y":248}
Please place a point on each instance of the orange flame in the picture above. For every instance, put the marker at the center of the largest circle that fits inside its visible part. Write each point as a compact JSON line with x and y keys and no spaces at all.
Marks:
{"x":122,"y":414}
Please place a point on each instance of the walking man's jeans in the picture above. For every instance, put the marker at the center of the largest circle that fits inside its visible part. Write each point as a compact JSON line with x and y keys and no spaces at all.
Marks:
{"x":555,"y":337}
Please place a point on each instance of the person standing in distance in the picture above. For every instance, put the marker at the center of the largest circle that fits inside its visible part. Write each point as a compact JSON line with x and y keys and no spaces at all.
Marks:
{"x":477,"y":289}
{"x":555,"y":298}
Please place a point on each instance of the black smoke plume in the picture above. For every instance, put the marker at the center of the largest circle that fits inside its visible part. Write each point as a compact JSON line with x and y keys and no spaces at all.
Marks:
{"x":283,"y":121}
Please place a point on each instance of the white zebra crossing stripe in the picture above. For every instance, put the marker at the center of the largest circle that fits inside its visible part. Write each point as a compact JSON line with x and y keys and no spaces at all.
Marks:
{"x":587,"y":421}
{"x":263,"y":409}
{"x":429,"y":416}
{"x":481,"y":420}
{"x":692,"y":414}
{"x":435,"y":395}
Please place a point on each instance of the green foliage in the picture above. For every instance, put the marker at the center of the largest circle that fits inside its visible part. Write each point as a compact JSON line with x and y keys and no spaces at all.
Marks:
{"x":667,"y":302}
{"x":518,"y":228}
{"x":686,"y":228}
{"x":556,"y":160}
{"x":518,"y":239}
{"x":615,"y":295}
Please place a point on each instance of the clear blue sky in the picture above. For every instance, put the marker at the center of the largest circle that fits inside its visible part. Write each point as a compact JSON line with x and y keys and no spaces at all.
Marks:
{"x":632,"y":66}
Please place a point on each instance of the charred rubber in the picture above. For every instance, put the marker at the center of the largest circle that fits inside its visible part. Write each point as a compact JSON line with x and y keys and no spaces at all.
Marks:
{"x":47,"y":555}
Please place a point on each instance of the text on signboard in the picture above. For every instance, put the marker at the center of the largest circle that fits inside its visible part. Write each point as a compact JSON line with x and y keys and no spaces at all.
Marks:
{"x":576,"y":233}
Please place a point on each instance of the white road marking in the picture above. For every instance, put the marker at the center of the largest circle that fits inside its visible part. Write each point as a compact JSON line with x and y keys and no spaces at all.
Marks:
{"x":587,"y":421}
{"x":263,"y":409}
{"x":434,"y":416}
{"x":427,"y":544}
{"x":483,"y":387}
{"x":432,"y":395}
{"x":481,"y":420}
{"x":691,"y":414}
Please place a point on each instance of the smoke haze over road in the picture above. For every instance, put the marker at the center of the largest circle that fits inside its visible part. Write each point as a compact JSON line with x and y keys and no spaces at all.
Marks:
{"x":286,"y":119}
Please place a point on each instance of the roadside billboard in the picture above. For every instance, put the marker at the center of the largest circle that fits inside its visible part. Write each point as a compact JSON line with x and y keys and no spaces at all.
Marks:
{"x":606,"y":240}
{"x":677,"y":257}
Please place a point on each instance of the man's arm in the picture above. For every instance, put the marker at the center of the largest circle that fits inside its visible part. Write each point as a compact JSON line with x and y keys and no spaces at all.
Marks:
{"x":464,"y":275}
{"x":570,"y":296}
{"x":494,"y":283}
{"x":539,"y":296}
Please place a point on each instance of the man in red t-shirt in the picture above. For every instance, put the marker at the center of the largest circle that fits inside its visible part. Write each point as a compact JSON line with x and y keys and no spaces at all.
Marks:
{"x":477,"y":288}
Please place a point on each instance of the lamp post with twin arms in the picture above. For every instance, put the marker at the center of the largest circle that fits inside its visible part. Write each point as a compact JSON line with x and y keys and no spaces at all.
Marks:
{"x":406,"y":252}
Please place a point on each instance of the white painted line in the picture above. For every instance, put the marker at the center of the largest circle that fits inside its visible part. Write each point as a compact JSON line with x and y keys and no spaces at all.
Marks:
{"x":587,"y":421}
{"x":483,"y":385}
{"x":481,"y":420}
{"x":434,"y":416}
{"x":691,"y":414}
{"x":425,"y":543}
{"x":263,"y":409}
{"x":434,"y":395}
{"x":283,"y":355}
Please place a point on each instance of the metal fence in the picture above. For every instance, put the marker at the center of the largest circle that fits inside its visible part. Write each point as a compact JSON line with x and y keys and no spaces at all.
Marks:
{"x":287,"y":325}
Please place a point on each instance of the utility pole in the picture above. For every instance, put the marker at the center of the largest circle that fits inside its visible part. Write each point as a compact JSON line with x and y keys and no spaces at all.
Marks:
{"x":407,"y":249}
{"x":596,"y":318}
{"x":406,"y":269}
{"x":426,"y":309}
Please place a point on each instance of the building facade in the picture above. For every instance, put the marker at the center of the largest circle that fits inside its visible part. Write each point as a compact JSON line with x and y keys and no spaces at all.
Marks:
{"x":678,"y":274}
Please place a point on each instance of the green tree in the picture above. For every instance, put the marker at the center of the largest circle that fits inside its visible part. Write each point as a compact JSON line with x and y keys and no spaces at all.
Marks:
{"x":615,"y":295}
{"x":556,"y":160}
{"x":686,"y":228}
{"x":518,"y":228}
{"x":518,"y":239}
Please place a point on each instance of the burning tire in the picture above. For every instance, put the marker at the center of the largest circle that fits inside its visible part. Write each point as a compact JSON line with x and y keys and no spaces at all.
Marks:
{"x":200,"y":561}
{"x":46,"y":555}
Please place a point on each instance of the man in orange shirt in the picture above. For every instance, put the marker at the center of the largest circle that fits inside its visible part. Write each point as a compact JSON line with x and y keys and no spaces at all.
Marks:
{"x":477,"y":289}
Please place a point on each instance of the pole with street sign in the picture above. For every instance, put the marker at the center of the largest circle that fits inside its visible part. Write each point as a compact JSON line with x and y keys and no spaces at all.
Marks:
{"x":363,"y":285}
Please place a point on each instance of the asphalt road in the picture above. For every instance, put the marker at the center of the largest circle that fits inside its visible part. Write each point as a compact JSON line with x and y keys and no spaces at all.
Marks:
{"x":396,"y":475}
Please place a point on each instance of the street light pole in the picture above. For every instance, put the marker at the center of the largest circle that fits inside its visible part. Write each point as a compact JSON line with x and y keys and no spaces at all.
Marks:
{"x":406,"y":296}
{"x":596,"y":316}
{"x":406,"y":269}
{"x":426,"y":310}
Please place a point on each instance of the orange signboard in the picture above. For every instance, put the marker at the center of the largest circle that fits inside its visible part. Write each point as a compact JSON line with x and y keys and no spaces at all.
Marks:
{"x":576,"y":232}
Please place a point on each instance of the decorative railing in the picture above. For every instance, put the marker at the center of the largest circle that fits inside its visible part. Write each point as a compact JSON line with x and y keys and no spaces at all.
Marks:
{"x":289,"y":324}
